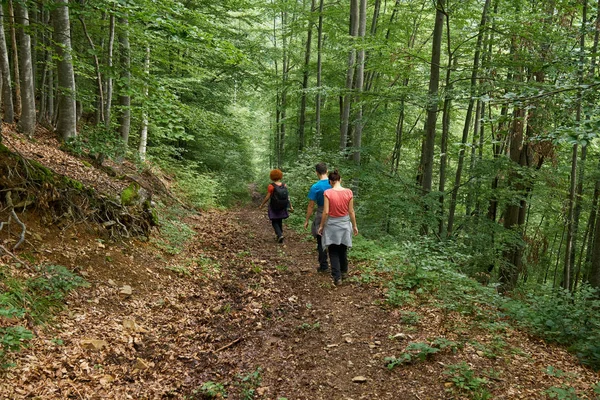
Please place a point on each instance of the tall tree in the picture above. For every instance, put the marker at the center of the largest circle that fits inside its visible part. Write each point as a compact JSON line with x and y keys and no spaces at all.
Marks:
{"x":305,"y":75}
{"x":124,"y":96}
{"x":468,"y":116}
{"x":7,"y":100}
{"x":66,"y":124}
{"x":100,"y":92}
{"x":319,"y":72}
{"x":28,"y":118}
{"x":144,"y":128}
{"x":15,"y":57}
{"x":574,"y":204}
{"x":109,"y":64}
{"x":360,"y":76}
{"x":346,"y":102}
{"x":428,"y":147}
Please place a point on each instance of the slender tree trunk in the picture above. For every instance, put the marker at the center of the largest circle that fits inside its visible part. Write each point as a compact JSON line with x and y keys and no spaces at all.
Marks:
{"x":144,"y":129}
{"x":428,"y":148}
{"x":67,"y":113}
{"x":594,"y":257}
{"x":301,"y":138}
{"x":370,"y":76}
{"x":573,"y":209}
{"x":509,"y":270}
{"x":124,"y":97}
{"x":319,"y":73}
{"x":7,"y":99}
{"x":347,"y":99}
{"x":360,"y":76}
{"x":469,"y":202}
{"x":28,"y":117}
{"x":33,"y":17}
{"x":109,"y":63}
{"x":467,"y":125}
{"x":284,"y":84}
{"x":100,"y":100}
{"x":15,"y":55}
{"x":445,"y":131}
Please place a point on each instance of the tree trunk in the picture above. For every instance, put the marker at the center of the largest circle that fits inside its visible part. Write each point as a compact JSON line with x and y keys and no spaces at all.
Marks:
{"x":347,"y":99}
{"x":594,"y":276}
{"x":109,"y":80}
{"x":100,"y":99}
{"x":124,"y":97}
{"x":574,"y":190}
{"x":144,"y":129}
{"x":66,"y":125}
{"x":284,"y":82}
{"x":510,"y":269}
{"x":445,"y":131}
{"x":319,"y":72}
{"x":360,"y":76}
{"x":302,"y":119}
{"x":15,"y":55}
{"x":28,"y":117}
{"x":426,"y":164}
{"x":7,"y":99}
{"x":467,"y":125}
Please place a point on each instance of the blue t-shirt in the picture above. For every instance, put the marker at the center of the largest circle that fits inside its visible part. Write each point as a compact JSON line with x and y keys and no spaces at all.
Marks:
{"x":316,"y":192}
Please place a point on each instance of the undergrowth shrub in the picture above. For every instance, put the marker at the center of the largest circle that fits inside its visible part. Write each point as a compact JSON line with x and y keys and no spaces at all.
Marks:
{"x":34,"y":298}
{"x":562,"y":317}
{"x":98,"y":142}
{"x":174,"y":233}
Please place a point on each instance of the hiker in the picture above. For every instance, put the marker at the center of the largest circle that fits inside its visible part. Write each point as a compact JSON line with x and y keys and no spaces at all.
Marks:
{"x":315,"y":195}
{"x":337,"y":225}
{"x":279,"y":203}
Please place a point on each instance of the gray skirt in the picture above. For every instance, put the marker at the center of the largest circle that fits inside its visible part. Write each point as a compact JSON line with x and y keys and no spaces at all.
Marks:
{"x":337,"y":230}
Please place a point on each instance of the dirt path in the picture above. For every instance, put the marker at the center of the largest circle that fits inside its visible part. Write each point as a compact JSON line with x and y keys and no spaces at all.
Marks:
{"x":321,"y":336}
{"x":238,"y":310}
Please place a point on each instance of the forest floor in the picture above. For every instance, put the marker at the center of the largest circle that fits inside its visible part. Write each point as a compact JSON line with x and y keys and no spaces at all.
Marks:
{"x":234,"y":313}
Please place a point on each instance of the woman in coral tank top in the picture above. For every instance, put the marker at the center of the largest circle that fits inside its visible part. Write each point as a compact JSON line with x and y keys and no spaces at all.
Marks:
{"x":337,"y":225}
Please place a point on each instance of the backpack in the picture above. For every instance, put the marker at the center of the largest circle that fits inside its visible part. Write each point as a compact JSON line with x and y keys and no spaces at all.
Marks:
{"x":280,"y":197}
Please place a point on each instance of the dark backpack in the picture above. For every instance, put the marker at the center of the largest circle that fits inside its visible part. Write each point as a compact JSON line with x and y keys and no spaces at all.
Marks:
{"x":280,"y":197}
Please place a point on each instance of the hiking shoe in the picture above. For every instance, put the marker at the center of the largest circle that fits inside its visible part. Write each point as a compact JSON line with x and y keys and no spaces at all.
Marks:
{"x":280,"y":239}
{"x":323,"y":270}
{"x":344,"y":275}
{"x":337,"y":282}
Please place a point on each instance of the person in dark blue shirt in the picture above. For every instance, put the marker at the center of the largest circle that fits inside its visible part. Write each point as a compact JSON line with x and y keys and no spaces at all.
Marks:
{"x":315,"y":196}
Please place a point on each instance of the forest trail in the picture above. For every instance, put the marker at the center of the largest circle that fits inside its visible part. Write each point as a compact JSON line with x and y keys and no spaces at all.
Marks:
{"x":238,"y":313}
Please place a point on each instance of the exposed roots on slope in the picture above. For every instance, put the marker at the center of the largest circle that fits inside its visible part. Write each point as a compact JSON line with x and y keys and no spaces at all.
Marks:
{"x":62,"y":201}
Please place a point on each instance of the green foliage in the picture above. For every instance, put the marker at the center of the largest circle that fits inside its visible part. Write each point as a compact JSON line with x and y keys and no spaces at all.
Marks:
{"x":397,"y":297}
{"x":211,"y":390}
{"x":249,"y":383}
{"x":174,"y":233}
{"x":200,"y":190}
{"x":419,"y":351}
{"x":562,"y":393}
{"x":309,"y":327}
{"x":12,"y":339}
{"x":465,"y":379}
{"x":36,"y":299}
{"x":562,"y":317}
{"x":97,"y":142}
{"x":410,"y":318}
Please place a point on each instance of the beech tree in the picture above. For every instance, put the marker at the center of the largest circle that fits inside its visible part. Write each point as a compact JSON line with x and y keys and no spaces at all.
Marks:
{"x":27,"y":119}
{"x":66,"y":124}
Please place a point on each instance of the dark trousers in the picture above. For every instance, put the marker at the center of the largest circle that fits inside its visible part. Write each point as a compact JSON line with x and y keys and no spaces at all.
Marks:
{"x":338,"y":257}
{"x":323,"y":265}
{"x":278,"y":226}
